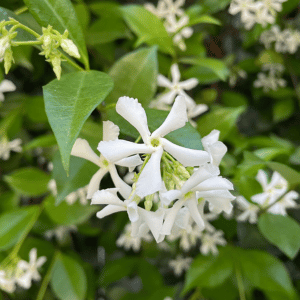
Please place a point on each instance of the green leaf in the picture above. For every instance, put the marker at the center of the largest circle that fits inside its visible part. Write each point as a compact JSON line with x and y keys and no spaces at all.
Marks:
{"x":35,"y":109}
{"x":47,"y":140}
{"x":81,"y":172}
{"x":270,"y":153}
{"x":292,"y":176}
{"x":148,"y":28}
{"x":204,"y":75}
{"x":220,"y":118}
{"x":68,"y":279}
{"x":70,"y":101}
{"x":109,"y":27}
{"x":214,"y":6}
{"x":265,"y":272}
{"x":28,"y":181}
{"x":206,"y":19}
{"x":186,"y":136}
{"x":215,"y":65}
{"x":61,"y":15}
{"x":141,"y":84}
{"x":251,"y":164}
{"x":66,"y":214}
{"x":209,"y":271}
{"x":14,"y":224}
{"x":282,"y":231}
{"x":283,"y":109}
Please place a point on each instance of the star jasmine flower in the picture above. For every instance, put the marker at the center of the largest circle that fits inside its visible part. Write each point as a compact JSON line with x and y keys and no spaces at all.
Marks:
{"x":6,"y":86}
{"x":80,"y":194}
{"x":271,"y":191}
{"x":61,"y":233}
{"x":160,"y":11}
{"x":287,"y":201}
{"x":250,"y":210}
{"x":210,"y":241}
{"x":82,"y":149}
{"x":246,"y":8}
{"x":141,"y":220}
{"x":176,"y":87}
{"x":150,"y":180}
{"x":127,"y":241}
{"x":180,"y":264}
{"x":6,"y":147}
{"x":30,"y":269}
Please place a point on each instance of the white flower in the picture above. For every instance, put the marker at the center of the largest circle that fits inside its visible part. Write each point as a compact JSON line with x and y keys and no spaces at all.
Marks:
{"x":127,"y":241}
{"x":150,"y":180}
{"x":271,"y":191}
{"x":247,"y":10}
{"x":210,"y":241}
{"x":141,"y":220}
{"x":160,"y":11}
{"x":7,"y":283}
{"x":80,"y":194}
{"x":6,"y":86}
{"x":6,"y":147}
{"x":250,"y":210}
{"x":176,"y":87}
{"x":273,"y":4}
{"x":287,"y":201}
{"x":82,"y":149}
{"x":180,"y":264}
{"x":69,"y":47}
{"x":204,"y":183}
{"x":52,"y":187}
{"x":61,"y":233}
{"x":30,"y":269}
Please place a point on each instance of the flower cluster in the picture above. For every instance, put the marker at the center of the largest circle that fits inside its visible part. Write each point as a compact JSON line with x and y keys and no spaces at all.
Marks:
{"x":272,"y":80}
{"x":287,"y":40}
{"x":274,"y":199}
{"x":175,"y":20}
{"x":7,"y":146}
{"x":253,"y":12}
{"x":20,"y":272}
{"x":175,"y":87}
{"x":181,"y":179}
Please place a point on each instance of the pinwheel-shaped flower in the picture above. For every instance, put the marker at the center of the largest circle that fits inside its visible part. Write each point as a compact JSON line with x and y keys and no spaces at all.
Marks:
{"x":141,"y":220}
{"x":82,"y":149}
{"x":150,"y":180}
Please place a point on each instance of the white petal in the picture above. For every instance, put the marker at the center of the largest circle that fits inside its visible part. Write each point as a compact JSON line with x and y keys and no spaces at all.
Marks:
{"x":169,"y":196}
{"x":82,"y":149}
{"x":132,"y":211}
{"x":40,"y":261}
{"x":7,"y":86}
{"x":217,"y":205}
{"x":170,"y":218}
{"x":107,"y":196}
{"x":130,"y":162}
{"x":262,"y":178}
{"x":119,"y":149}
{"x":132,"y":111}
{"x":154,"y":220}
{"x":150,"y":180}
{"x":202,"y":174}
{"x":175,"y":73}
{"x":33,"y":255}
{"x":108,"y":210}
{"x":216,"y":193}
{"x":163,"y":81}
{"x":197,"y":110}
{"x":110,"y":131}
{"x":214,"y":183}
{"x":125,"y":189}
{"x":175,"y":119}
{"x":210,"y":138}
{"x":195,"y":214}
{"x":189,"y":84}
{"x":260,"y":198}
{"x":183,"y":218}
{"x":167,"y":98}
{"x":2,"y":97}
{"x":95,"y":182}
{"x":188,"y":157}
{"x":23,"y":265}
{"x":217,"y":151}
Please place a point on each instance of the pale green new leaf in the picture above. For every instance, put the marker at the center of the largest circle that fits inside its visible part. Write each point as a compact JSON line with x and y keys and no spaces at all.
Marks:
{"x":70,"y":101}
{"x":292,"y":176}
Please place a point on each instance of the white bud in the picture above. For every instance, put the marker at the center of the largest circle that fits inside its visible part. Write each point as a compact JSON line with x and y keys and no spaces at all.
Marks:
{"x":69,"y":47}
{"x":4,"y":45}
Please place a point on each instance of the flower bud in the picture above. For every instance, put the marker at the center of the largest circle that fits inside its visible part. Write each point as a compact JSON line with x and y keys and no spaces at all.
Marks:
{"x":8,"y":60}
{"x":4,"y":45}
{"x":69,"y":47}
{"x":56,"y":61}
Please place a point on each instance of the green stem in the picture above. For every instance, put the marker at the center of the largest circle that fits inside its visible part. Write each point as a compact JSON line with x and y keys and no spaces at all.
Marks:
{"x":265,"y":209}
{"x":138,"y":139}
{"x":47,"y":277}
{"x":19,"y":25}
{"x":21,"y":10}
{"x":28,"y":43}
{"x":71,"y":62}
{"x":170,"y":157}
{"x":240,"y":283}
